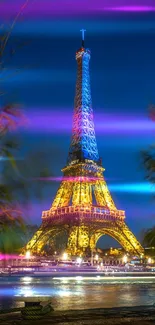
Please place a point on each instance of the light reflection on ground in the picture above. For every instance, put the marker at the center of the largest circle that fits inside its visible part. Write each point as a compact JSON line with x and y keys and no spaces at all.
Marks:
{"x":79,"y":292}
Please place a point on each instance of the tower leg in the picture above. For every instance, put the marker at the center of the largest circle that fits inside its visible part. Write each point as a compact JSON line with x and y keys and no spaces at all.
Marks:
{"x":44,"y":236}
{"x":78,"y":240}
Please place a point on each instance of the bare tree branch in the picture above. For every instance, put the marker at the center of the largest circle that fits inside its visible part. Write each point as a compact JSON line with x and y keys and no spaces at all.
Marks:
{"x":6,"y":37}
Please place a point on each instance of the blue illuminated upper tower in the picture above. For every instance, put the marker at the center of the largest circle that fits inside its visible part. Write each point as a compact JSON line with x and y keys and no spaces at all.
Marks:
{"x":83,"y":142}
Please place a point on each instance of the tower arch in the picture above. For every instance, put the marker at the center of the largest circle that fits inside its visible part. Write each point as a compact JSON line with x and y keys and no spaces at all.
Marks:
{"x":120,"y":236}
{"x":43,"y":236}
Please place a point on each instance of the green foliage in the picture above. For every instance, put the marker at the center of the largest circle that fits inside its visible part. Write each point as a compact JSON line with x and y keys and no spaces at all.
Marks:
{"x":14,"y":234}
{"x":12,"y":231}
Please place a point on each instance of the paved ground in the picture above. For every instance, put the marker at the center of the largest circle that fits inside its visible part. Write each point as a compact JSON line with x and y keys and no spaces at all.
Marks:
{"x":116,"y":316}
{"x":99,"y":321}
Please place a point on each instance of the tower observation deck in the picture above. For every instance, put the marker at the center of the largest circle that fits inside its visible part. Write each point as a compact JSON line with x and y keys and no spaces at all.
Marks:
{"x":83,"y":209}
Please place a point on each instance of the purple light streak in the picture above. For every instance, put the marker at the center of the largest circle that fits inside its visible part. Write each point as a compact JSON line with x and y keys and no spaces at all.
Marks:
{"x":68,"y":179}
{"x":10,"y":256}
{"x":132,"y":9}
{"x":47,"y":122}
{"x":145,"y":188}
{"x":58,"y":8}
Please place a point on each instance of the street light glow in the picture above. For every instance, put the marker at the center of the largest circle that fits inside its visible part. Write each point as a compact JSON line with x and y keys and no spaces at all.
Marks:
{"x":65,"y":256}
{"x":28,"y":254}
{"x":125,"y":258}
{"x":79,"y":260}
{"x":149,"y":260}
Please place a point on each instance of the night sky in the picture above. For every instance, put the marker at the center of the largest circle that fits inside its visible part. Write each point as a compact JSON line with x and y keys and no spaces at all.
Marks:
{"x":121,"y":37}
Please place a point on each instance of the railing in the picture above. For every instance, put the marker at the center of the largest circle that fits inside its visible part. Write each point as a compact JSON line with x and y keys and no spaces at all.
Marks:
{"x":92,"y":210}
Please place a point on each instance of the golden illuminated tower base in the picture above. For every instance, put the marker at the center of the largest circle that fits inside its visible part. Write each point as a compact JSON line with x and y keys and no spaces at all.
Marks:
{"x":83,"y":222}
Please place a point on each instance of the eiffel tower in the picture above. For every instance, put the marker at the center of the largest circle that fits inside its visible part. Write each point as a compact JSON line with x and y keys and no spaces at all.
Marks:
{"x":83,"y":209}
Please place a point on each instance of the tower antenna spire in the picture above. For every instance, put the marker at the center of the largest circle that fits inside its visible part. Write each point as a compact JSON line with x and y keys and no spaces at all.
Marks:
{"x":83,"y":31}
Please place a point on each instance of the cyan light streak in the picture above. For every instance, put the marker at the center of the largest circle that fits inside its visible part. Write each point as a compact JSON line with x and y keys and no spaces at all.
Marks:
{"x":137,"y":188}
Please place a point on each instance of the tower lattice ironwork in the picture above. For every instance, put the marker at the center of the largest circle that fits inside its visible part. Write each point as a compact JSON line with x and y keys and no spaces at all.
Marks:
{"x":83,"y":209}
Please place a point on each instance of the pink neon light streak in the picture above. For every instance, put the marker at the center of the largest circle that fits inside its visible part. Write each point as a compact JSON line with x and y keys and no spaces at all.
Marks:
{"x":131,"y":9}
{"x":64,"y":8}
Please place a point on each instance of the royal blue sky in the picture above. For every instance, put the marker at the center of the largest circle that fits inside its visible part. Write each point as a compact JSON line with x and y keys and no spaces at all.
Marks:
{"x":122,"y":81}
